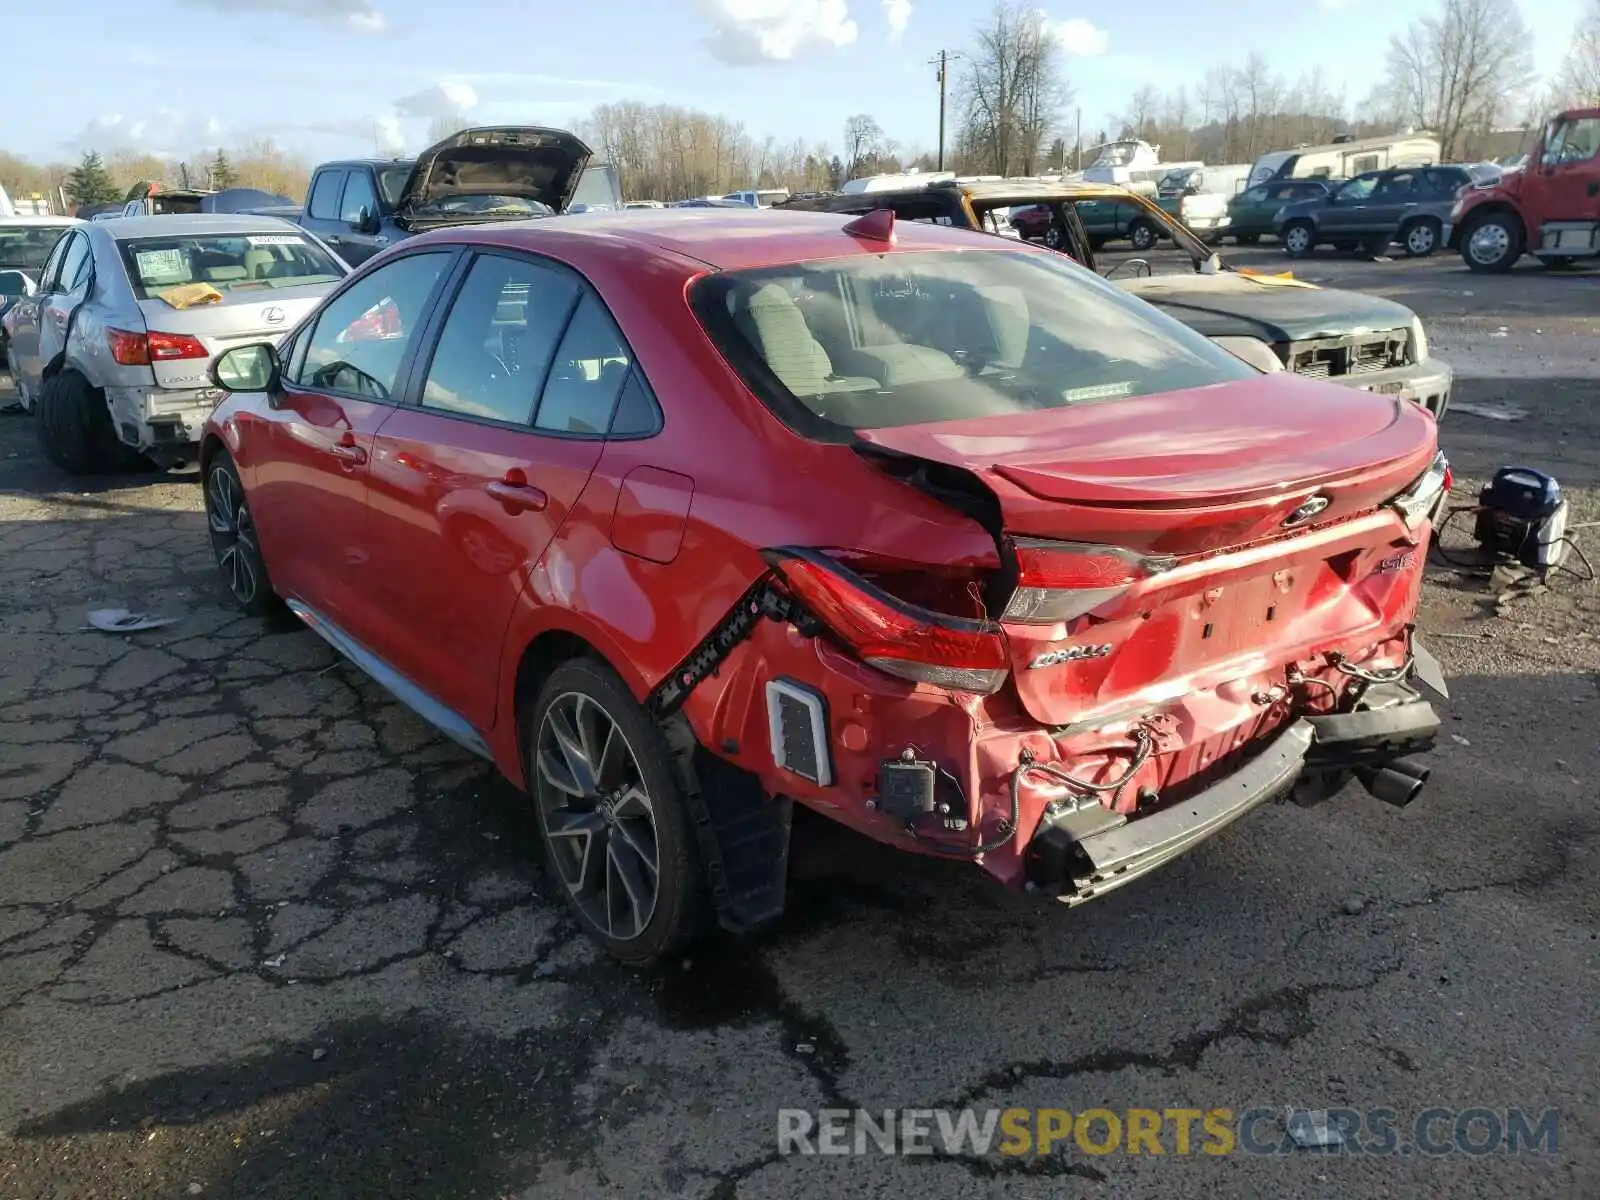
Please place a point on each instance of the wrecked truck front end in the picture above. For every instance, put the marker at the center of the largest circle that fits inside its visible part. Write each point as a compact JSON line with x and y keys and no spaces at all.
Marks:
{"x":1201,"y":597}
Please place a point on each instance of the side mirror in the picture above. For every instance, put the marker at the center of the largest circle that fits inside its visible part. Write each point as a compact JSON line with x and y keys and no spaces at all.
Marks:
{"x":252,"y":368}
{"x":16,"y":283}
{"x":366,"y":221}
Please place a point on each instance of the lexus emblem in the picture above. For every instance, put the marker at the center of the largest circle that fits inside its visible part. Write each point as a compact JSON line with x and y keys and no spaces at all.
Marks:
{"x":273,"y":316}
{"x":1306,"y":512}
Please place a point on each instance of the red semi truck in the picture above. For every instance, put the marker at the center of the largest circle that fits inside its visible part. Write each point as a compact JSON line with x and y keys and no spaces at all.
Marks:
{"x":1550,"y":208}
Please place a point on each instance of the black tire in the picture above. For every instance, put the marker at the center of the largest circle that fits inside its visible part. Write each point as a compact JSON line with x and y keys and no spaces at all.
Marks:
{"x":234,"y":540}
{"x":74,"y":427}
{"x":1299,"y":238}
{"x":1142,"y":236}
{"x":580,"y":690}
{"x":1492,"y":244}
{"x":1421,"y":237}
{"x":1248,"y":239}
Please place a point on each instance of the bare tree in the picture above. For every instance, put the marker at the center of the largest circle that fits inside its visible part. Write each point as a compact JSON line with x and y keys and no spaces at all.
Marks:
{"x":1140,"y":119}
{"x":1579,"y":82}
{"x":1012,"y":93}
{"x":862,"y":138}
{"x":1458,"y":70}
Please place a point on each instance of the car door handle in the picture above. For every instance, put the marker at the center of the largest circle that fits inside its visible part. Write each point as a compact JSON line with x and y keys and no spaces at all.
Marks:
{"x":516,"y":493}
{"x":346,"y":450}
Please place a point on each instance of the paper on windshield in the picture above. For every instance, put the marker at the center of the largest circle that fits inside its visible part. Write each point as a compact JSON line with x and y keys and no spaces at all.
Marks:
{"x":162,"y":266}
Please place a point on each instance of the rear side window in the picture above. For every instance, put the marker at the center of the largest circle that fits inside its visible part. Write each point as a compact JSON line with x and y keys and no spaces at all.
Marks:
{"x":872,"y":341}
{"x":498,"y":340}
{"x":324,"y":202}
{"x":75,"y":264}
{"x":588,"y":371}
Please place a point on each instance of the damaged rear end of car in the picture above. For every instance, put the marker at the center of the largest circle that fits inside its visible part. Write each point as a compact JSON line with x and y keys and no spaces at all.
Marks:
{"x":1197,"y":595}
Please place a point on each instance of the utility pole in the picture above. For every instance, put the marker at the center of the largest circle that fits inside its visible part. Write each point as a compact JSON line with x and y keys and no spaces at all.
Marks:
{"x":943,"y":63}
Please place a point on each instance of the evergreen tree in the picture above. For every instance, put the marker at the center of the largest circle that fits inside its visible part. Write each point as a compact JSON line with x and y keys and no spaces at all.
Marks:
{"x":223,"y":176}
{"x":835,"y":173}
{"x":91,"y":183}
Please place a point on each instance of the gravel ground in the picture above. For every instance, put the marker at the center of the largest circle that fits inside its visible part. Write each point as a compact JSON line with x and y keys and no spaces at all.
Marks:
{"x":263,"y":934}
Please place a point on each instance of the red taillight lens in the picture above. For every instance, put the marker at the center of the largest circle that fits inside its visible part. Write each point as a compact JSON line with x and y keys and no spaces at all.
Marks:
{"x":141,"y":349}
{"x":897,"y":638}
{"x":167,"y":346}
{"x":129,"y":349}
{"x":1057,"y":581}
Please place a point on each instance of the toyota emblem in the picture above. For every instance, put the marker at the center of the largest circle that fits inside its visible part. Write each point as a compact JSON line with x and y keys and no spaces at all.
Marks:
{"x":273,"y":316}
{"x":1306,"y":511}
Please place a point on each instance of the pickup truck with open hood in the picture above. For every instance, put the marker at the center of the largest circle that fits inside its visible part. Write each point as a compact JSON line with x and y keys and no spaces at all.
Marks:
{"x":499,"y":173}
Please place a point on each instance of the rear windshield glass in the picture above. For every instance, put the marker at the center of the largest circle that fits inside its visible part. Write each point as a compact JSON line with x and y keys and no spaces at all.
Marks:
{"x":25,"y":247}
{"x":869,"y":342}
{"x":233,"y":263}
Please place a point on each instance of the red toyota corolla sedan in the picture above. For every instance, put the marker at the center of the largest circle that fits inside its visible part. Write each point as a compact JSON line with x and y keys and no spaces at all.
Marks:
{"x":680,"y":518}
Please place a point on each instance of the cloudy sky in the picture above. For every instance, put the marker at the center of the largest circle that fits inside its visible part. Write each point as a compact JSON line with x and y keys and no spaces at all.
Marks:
{"x":332,"y":77}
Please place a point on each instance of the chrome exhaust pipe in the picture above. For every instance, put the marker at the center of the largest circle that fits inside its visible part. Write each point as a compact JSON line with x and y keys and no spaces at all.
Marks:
{"x":1397,"y":783}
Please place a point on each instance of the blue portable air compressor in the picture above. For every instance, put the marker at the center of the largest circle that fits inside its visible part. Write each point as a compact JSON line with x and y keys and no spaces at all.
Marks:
{"x":1522,"y":517}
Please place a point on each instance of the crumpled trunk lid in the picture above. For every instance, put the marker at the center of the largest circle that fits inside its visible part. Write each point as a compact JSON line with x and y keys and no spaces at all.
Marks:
{"x":1213,"y":481}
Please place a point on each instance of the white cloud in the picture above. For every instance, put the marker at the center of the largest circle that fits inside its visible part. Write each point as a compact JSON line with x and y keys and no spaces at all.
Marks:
{"x":383,"y":133}
{"x":898,"y":14}
{"x":443,"y":99}
{"x":356,"y":16}
{"x":1080,"y":38}
{"x":165,"y":134}
{"x":746,"y":32}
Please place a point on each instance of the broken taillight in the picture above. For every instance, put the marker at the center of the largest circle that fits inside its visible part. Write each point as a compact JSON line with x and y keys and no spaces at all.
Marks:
{"x":885,"y":632}
{"x":1057,"y":581}
{"x":1421,"y":498}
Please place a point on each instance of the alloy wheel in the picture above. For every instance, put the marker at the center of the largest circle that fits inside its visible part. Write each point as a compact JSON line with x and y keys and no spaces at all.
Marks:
{"x":1297,"y":240}
{"x":1420,"y":239}
{"x":233,"y":535}
{"x":598,"y":816}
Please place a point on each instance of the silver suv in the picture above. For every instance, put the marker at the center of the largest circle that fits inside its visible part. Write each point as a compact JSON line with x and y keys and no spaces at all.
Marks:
{"x":113,"y":352}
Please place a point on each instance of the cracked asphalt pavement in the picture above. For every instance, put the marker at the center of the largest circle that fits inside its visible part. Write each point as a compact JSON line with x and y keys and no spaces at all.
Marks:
{"x":262,"y":933}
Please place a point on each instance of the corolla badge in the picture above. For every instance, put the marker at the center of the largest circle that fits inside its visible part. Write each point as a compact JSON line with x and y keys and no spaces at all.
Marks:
{"x":1306,"y":511}
{"x":273,"y":316}
{"x":1066,"y":654}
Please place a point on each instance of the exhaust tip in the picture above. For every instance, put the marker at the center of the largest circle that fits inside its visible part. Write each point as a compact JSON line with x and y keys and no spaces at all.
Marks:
{"x":1396,"y":783}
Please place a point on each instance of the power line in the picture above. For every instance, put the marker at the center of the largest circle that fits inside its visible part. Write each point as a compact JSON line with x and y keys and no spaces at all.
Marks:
{"x":943,"y":61}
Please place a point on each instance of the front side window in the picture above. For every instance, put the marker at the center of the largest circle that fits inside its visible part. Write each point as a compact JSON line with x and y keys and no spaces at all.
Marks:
{"x":1572,"y":141}
{"x":1255,"y":195}
{"x":499,"y":339}
{"x":240,"y":262}
{"x":874,"y":341}
{"x":358,"y":198}
{"x":361,"y":337}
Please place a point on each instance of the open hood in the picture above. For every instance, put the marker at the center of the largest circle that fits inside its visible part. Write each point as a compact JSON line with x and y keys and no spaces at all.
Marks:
{"x":529,"y":162}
